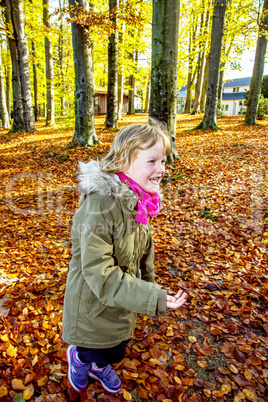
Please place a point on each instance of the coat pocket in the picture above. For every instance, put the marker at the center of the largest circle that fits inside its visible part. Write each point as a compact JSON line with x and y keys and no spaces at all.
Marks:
{"x":96,"y":308}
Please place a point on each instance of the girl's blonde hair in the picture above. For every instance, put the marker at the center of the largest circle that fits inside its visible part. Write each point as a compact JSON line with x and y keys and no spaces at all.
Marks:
{"x":128,"y":141}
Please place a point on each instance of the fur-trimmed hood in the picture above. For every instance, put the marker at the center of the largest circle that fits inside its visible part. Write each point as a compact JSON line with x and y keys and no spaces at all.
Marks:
{"x":93,"y":180}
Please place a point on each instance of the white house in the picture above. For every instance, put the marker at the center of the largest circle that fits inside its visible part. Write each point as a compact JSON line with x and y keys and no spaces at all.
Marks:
{"x":233,"y":96}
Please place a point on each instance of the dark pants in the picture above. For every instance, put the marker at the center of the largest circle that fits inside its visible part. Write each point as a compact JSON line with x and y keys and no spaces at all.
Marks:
{"x":102,"y":357}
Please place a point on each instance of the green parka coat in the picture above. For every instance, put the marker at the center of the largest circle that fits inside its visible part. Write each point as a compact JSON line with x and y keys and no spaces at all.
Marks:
{"x":111,"y":273}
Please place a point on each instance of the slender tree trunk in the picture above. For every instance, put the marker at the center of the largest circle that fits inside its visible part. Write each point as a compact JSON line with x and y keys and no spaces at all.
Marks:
{"x":255,"y":85}
{"x":120,"y":95}
{"x":165,"y":32}
{"x":121,"y":69}
{"x":36,"y":107}
{"x":16,"y":87}
{"x":147,"y":98}
{"x":201,"y":62}
{"x":209,"y":120}
{"x":3,"y":105}
{"x":84,"y":83}
{"x":50,"y":119}
{"x":61,"y":61}
{"x":61,"y":68}
{"x":187,"y":107}
{"x":131,"y":83}
{"x":23,"y":60}
{"x":112,"y":93}
{"x":204,"y":87}
{"x":221,"y":75}
{"x":200,"y":71}
{"x":8,"y":91}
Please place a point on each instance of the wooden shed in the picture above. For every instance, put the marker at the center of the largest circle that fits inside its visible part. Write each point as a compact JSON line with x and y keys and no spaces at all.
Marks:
{"x":100,"y":101}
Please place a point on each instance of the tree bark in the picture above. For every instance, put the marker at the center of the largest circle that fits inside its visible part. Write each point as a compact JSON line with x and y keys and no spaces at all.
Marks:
{"x":255,"y":85}
{"x":209,"y":120}
{"x":8,"y":91}
{"x":84,"y":83}
{"x":50,"y":118}
{"x":204,"y":87}
{"x":61,"y":66}
{"x":23,"y":60}
{"x":121,"y":69}
{"x":200,"y":64}
{"x":112,"y":93}
{"x":131,"y":83}
{"x":220,"y":86}
{"x":200,"y":70}
{"x":16,"y":86}
{"x":120,"y":95}
{"x":3,"y":105}
{"x":36,"y":107}
{"x":165,"y":32}
{"x":147,"y":98}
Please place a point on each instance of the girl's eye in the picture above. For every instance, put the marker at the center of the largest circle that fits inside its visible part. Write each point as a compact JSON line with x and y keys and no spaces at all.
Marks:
{"x":152,"y":161}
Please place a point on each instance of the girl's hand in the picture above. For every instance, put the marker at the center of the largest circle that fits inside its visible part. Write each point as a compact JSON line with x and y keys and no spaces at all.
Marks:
{"x":176,"y":301}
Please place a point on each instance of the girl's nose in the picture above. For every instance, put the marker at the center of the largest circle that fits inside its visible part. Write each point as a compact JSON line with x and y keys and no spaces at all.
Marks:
{"x":161,"y":167}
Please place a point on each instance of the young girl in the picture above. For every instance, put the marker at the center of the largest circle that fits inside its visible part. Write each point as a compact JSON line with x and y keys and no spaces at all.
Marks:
{"x":111,"y":273}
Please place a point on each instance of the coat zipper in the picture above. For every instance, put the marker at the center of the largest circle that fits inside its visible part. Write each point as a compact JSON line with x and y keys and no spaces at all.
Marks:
{"x":138,"y":258}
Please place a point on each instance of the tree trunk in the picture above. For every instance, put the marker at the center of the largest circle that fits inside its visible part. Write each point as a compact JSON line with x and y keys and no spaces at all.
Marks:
{"x":112,"y":93}
{"x":23,"y":61}
{"x":200,"y":71}
{"x":221,"y":75}
{"x":36,"y":107}
{"x":204,"y":87}
{"x":201,"y":62}
{"x":131,"y":83}
{"x":8,"y":91}
{"x":165,"y":32}
{"x":16,"y":86}
{"x":61,"y":67}
{"x":147,"y":98}
{"x":121,"y":54}
{"x":50,"y":119}
{"x":120,"y":95}
{"x":84,"y":82}
{"x":187,"y":107}
{"x":3,"y":105}
{"x":217,"y":31}
{"x":255,"y":85}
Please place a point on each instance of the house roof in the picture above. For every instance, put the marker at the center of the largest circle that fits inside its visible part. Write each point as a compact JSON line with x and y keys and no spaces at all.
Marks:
{"x":237,"y":82}
{"x":234,"y":95}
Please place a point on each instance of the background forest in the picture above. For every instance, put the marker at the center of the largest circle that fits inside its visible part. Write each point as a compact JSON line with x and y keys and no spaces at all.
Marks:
{"x":44,"y":41}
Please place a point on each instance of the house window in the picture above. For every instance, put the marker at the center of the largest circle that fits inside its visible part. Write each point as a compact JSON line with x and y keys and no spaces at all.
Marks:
{"x":226,"y":107}
{"x":96,"y":100}
{"x":236,"y":89}
{"x":240,"y":103}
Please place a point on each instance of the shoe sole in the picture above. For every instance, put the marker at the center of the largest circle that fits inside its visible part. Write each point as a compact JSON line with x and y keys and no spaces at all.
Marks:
{"x":103,"y":385}
{"x":69,"y":370}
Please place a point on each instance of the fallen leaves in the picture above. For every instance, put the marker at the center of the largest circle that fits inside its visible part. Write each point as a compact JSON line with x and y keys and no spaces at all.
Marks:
{"x":211,"y":240}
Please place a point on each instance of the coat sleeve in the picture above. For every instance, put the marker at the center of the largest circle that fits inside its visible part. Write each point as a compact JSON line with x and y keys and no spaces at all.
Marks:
{"x":111,"y":285}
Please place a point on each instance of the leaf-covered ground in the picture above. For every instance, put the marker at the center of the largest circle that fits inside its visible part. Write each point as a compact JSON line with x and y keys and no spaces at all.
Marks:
{"x":211,"y":239}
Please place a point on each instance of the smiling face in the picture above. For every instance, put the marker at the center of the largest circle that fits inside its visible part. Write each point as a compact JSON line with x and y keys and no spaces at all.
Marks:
{"x":148,"y":168}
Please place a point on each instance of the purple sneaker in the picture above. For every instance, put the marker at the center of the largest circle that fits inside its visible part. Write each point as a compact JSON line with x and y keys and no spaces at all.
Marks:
{"x":106,"y":376}
{"x":78,"y":371}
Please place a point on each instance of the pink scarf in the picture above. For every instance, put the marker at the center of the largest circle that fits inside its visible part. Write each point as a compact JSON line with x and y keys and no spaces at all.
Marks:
{"x":148,"y":204}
